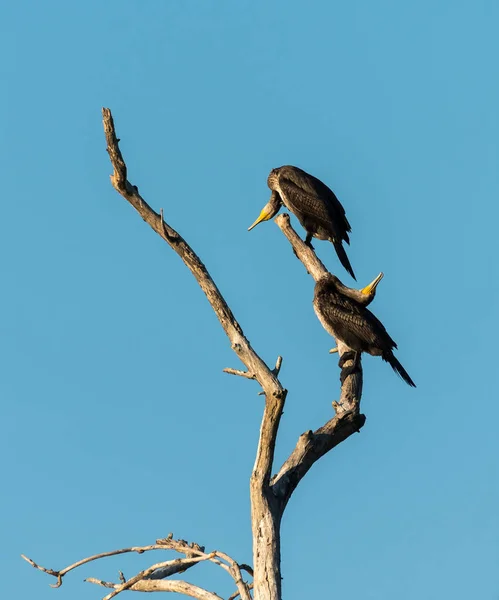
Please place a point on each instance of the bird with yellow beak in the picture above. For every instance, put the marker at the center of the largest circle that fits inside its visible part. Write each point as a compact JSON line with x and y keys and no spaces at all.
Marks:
{"x":314,"y":204}
{"x":343,"y":314}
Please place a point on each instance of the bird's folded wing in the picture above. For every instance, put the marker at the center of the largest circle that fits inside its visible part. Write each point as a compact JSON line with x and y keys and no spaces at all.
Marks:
{"x":315,"y":187}
{"x":310,"y":206}
{"x":358,"y":320}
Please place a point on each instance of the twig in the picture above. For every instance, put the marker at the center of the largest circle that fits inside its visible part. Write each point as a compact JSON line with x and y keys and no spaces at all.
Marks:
{"x":275,"y":370}
{"x":236,"y":594}
{"x":106,"y":584}
{"x":277,"y":367}
{"x":240,"y":373}
{"x":248,"y":375}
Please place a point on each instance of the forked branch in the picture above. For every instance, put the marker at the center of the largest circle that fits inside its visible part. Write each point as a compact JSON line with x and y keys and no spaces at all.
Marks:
{"x":313,"y":445}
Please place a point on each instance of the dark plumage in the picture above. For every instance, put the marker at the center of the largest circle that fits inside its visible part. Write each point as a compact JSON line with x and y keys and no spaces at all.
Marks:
{"x":347,"y":320}
{"x":314,"y":204}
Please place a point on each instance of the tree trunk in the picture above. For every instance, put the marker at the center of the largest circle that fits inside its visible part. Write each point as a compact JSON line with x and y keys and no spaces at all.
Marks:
{"x":266,"y":523}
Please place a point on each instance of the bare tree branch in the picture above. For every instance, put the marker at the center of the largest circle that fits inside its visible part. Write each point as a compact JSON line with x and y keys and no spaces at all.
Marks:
{"x":310,"y":447}
{"x":149,"y":571}
{"x":278,"y":365}
{"x":248,"y":375}
{"x":240,"y":373}
{"x":236,"y":594}
{"x":239,"y":343}
{"x":173,"y":567}
{"x":348,"y":420}
{"x":305,"y":254}
{"x":60,"y":574}
{"x":149,"y":585}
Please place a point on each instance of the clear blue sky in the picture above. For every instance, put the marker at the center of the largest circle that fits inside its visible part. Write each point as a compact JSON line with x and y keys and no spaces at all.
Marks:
{"x":118,"y":424}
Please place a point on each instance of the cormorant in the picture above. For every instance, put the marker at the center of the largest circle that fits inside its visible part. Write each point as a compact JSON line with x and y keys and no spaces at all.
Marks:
{"x":347,"y":319}
{"x":316,"y":206}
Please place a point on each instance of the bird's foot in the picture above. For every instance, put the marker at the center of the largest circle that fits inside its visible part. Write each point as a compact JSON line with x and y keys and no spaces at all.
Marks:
{"x":308,"y":241}
{"x":350,"y":355}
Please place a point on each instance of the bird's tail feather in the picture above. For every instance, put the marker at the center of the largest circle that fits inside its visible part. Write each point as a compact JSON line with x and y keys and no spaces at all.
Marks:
{"x":398,"y":368}
{"x":342,"y":255}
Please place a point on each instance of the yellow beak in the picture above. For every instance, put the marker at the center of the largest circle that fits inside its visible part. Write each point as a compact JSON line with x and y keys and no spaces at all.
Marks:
{"x":371,"y":288}
{"x":264,"y":216}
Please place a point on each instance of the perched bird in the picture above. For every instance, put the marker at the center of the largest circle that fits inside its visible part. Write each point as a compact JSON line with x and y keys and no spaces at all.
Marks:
{"x":343,"y":314}
{"x":316,"y":206}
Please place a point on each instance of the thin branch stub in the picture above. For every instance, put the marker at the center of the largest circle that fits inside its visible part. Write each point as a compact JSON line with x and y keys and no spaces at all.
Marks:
{"x":239,"y":373}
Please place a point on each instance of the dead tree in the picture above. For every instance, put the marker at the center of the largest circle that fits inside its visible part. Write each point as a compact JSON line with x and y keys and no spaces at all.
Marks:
{"x":269,"y":494}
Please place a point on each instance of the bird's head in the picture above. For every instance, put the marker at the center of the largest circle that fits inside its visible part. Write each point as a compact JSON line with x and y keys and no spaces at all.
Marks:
{"x":269,"y":210}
